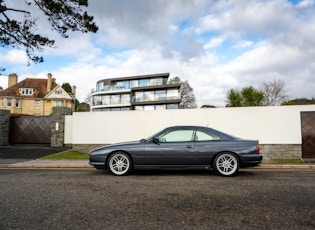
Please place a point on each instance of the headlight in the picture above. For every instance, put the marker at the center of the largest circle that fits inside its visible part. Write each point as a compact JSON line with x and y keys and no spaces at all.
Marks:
{"x":92,"y":156}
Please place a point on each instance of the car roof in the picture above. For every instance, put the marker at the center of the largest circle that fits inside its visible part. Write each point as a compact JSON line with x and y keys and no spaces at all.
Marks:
{"x":222,"y":134}
{"x":188,"y":126}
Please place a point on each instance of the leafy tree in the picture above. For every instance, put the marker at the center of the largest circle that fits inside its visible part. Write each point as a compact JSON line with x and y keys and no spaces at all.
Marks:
{"x":175,"y":80}
{"x":299,"y":101}
{"x":252,"y":97}
{"x":63,"y":16}
{"x":207,"y":106}
{"x":82,"y":107}
{"x":67,"y":87}
{"x":275,"y":92}
{"x":248,"y":96}
{"x":234,"y":98}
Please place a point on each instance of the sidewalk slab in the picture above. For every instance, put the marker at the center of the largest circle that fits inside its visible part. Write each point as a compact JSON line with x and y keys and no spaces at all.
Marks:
{"x":38,"y":163}
{"x":287,"y":166}
{"x":72,"y":164}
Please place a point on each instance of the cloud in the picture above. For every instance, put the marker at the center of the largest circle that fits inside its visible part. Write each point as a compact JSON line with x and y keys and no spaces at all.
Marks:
{"x":14,"y":57}
{"x":215,"y":45}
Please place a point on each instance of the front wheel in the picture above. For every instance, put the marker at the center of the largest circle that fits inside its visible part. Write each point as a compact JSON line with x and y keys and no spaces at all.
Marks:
{"x":119,"y":164}
{"x":226,"y":164}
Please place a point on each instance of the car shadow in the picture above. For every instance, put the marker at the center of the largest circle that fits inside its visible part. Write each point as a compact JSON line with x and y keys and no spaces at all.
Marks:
{"x":178,"y":172}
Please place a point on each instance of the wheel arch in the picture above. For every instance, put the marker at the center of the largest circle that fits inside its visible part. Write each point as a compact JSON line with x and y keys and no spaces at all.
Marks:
{"x":118,"y":151}
{"x":231,"y":152}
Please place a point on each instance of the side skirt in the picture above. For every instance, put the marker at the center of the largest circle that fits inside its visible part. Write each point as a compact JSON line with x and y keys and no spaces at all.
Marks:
{"x":172,"y":167}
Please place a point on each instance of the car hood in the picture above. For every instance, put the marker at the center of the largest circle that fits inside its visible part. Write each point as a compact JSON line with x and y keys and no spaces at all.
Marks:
{"x":117,"y":145}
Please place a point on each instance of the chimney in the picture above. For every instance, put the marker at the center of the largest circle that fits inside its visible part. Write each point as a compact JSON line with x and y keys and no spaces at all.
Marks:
{"x":74,"y":90}
{"x":49,"y":82}
{"x":13,"y":78}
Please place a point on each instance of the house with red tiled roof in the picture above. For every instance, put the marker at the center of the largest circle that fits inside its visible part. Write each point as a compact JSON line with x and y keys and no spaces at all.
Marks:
{"x":35,"y":96}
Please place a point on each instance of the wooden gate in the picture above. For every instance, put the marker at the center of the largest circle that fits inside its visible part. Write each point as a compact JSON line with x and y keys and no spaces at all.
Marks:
{"x":308,"y":134}
{"x":30,"y":130}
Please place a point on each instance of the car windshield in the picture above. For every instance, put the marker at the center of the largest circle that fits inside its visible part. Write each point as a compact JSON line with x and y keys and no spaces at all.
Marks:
{"x":150,"y":137}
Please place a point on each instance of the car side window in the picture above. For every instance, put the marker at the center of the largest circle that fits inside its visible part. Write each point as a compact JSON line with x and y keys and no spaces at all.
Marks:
{"x":202,"y":136}
{"x":177,"y":136}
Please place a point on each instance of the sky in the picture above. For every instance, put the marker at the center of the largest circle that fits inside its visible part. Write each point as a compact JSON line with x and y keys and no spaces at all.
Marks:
{"x":215,"y":45}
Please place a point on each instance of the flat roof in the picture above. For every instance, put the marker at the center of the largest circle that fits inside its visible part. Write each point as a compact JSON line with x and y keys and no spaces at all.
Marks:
{"x":135,"y":77}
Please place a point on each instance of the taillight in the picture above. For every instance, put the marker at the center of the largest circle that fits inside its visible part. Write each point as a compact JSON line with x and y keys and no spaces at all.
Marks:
{"x":257,"y":149}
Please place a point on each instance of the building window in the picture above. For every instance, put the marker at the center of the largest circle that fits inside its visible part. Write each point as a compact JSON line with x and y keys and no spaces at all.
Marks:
{"x":122,"y":85}
{"x":37,"y":104}
{"x":99,"y":87}
{"x":106,"y":100}
{"x":172,"y":106}
{"x":149,"y":107}
{"x":58,"y":103}
{"x":144,"y":82}
{"x":156,"y":81}
{"x":58,"y":91}
{"x":97,"y":100}
{"x":125,"y":98}
{"x":134,"y":83}
{"x":9,"y":103}
{"x":160,"y":107}
{"x":115,"y":99}
{"x":139,"y":96}
{"x":17,"y":103}
{"x":160,"y":95}
{"x":172,"y":94}
{"x":138,"y":107}
{"x":27,"y":91}
{"x":149,"y":96}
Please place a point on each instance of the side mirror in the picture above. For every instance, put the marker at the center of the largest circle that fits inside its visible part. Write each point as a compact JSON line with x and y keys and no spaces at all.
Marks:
{"x":155,"y":140}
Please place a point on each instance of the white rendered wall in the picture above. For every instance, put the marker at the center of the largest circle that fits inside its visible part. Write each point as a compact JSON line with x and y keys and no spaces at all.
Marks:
{"x":68,"y":129}
{"x":270,"y":125}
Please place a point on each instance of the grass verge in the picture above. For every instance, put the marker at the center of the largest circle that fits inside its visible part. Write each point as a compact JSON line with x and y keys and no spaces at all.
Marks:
{"x":287,"y":161}
{"x":67,"y":155}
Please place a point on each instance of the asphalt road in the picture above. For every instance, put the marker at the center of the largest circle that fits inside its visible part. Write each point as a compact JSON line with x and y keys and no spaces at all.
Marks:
{"x":20,"y":153}
{"x":91,"y":199}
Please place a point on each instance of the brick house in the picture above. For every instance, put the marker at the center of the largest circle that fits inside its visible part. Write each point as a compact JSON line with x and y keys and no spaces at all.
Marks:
{"x":35,"y":96}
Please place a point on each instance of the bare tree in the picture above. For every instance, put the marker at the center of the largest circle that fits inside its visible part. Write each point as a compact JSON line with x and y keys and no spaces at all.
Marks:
{"x":275,"y":92}
{"x":187,"y":96}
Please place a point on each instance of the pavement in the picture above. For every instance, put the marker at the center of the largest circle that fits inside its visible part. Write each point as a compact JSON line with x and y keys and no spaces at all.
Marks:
{"x":48,"y":164}
{"x":26,"y":156}
{"x":83,"y":164}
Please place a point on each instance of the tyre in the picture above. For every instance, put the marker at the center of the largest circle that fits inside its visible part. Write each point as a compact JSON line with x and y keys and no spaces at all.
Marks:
{"x":119,"y":164}
{"x":226,"y":164}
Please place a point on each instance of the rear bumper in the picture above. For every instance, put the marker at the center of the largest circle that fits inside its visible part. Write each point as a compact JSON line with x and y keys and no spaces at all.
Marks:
{"x":251,"y":160}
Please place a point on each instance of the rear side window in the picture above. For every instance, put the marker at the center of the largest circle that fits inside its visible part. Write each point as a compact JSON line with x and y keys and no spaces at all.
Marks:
{"x":202,"y":136}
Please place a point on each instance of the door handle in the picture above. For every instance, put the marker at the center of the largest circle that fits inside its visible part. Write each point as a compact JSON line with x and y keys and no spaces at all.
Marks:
{"x":189,"y":146}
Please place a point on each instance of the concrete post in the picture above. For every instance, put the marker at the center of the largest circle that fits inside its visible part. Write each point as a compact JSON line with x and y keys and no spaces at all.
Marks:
{"x":58,"y":125}
{"x":4,"y":127}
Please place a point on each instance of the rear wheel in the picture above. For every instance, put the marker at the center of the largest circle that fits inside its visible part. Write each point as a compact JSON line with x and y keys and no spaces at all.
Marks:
{"x":119,"y":164}
{"x":226,"y":164}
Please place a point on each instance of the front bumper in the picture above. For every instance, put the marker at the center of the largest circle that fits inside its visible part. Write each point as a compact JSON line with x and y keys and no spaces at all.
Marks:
{"x":98,"y":165}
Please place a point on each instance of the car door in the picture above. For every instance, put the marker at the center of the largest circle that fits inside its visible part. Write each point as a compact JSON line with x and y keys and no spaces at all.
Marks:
{"x":207,"y":144}
{"x":173,"y":147}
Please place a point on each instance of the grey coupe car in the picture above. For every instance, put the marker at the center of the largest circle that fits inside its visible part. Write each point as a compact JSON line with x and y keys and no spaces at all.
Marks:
{"x":179,"y":147}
